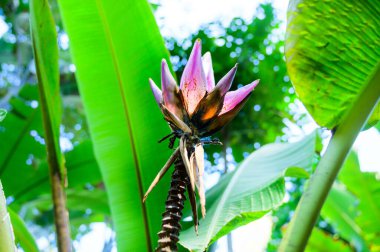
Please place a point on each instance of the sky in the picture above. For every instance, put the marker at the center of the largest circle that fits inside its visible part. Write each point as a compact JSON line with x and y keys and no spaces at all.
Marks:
{"x":180,"y":18}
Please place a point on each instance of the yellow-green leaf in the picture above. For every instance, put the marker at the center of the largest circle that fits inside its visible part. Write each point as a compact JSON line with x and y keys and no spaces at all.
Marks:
{"x":332,"y":50}
{"x":323,"y":241}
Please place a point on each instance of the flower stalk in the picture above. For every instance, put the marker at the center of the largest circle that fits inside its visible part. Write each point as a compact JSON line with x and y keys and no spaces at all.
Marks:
{"x":169,"y":234}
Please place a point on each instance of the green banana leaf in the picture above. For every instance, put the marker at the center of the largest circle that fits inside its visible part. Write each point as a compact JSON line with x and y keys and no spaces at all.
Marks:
{"x":45,"y":50}
{"x":21,"y":141}
{"x":354,"y":210}
{"x":116,"y":46}
{"x":94,"y":199}
{"x":81,"y":166}
{"x":333,"y":52}
{"x":23,"y":168}
{"x":23,"y":237}
{"x":340,"y":211}
{"x":366,"y":187}
{"x":254,"y":189}
{"x":322,"y":241}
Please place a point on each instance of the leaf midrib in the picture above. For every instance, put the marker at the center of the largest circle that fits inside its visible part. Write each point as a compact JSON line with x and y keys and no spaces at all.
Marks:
{"x":115,"y":62}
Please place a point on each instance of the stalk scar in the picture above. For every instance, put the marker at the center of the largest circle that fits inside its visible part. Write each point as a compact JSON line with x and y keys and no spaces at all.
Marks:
{"x":169,"y":234}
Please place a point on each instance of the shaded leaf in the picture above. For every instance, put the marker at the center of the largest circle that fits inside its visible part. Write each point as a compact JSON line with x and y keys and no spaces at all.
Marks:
{"x":21,"y":141}
{"x":96,"y":200}
{"x":81,"y":166}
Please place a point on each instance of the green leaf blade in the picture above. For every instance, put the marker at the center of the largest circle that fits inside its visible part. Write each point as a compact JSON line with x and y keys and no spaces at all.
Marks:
{"x":366,"y":187}
{"x":322,"y":241}
{"x":255,"y":188}
{"x":45,"y":49}
{"x":332,"y":50}
{"x":114,"y":58}
{"x":340,"y":211}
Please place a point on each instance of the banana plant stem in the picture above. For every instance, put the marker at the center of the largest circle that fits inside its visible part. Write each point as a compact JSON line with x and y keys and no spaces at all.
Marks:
{"x":61,"y":215}
{"x":312,"y":200}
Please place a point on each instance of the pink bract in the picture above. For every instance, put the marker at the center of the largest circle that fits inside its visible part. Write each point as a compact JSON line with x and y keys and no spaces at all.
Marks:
{"x":200,"y":104}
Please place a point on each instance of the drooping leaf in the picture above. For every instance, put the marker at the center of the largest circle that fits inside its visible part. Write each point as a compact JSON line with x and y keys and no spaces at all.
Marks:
{"x":81,"y":166}
{"x":114,"y":58}
{"x":96,"y":200}
{"x":77,"y":200}
{"x":255,"y":188}
{"x":23,"y":168}
{"x":322,"y":241}
{"x":23,"y":237}
{"x":340,"y":211}
{"x":333,"y":51}
{"x":22,"y":158}
{"x":21,"y":138}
